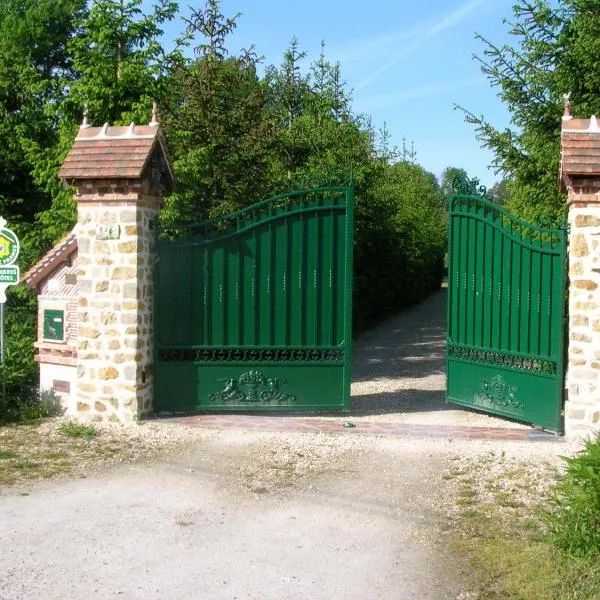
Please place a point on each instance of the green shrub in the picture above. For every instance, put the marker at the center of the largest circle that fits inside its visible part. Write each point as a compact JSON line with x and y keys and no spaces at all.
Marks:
{"x":574,"y":521}
{"x":41,"y":405}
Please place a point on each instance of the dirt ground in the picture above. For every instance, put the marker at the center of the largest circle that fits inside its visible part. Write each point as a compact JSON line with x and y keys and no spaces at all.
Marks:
{"x":256,"y":515}
{"x":237,"y":515}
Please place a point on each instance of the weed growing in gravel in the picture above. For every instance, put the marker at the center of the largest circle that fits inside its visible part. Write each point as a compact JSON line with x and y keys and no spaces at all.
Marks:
{"x":77,"y":430}
{"x":574,"y":522}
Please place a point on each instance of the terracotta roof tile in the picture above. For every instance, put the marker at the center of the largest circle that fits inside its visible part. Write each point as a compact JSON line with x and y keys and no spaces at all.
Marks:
{"x":113,"y":152}
{"x":52,"y":259}
{"x":580,"y":141}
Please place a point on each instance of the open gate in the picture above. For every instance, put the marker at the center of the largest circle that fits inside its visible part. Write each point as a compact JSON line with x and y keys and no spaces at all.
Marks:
{"x":253,"y":309}
{"x":506,"y":307}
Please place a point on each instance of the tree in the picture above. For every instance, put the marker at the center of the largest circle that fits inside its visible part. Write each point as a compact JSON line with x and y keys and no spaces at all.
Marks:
{"x":554,"y":50}
{"x":35,"y":69}
{"x":499,"y":193}
{"x":216,"y":126}
{"x":447,"y":180}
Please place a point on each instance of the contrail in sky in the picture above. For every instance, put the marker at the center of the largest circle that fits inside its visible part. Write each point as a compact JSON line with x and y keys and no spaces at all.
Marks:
{"x":443,"y":24}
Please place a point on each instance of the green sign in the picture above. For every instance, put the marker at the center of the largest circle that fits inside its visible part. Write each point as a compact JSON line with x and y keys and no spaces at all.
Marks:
{"x":9,"y":246}
{"x":9,"y":275}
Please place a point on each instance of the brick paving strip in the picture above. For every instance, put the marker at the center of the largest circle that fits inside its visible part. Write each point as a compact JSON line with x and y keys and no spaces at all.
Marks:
{"x":370,"y":428}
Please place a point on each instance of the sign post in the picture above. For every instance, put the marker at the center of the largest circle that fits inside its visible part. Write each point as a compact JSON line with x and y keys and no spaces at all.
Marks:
{"x":9,"y":275}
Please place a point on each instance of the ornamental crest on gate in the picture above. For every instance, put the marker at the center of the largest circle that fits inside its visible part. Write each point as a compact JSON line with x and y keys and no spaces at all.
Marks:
{"x":496,"y":392}
{"x":254,"y":388}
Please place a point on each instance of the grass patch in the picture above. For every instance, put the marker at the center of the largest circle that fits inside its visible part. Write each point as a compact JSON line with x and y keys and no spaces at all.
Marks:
{"x":506,"y":539}
{"x":77,"y":430}
{"x":52,"y":448}
{"x":523,"y":568}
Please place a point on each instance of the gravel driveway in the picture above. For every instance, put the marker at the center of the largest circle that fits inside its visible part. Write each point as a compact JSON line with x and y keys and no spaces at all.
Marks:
{"x":237,"y":514}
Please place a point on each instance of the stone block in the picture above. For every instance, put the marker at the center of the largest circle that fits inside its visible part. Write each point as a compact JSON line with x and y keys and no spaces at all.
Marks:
{"x":124,"y":273}
{"x":129,"y":318}
{"x":83,"y":407}
{"x":108,"y":373}
{"x":587,"y":221}
{"x":579,"y":321}
{"x":585,"y":284}
{"x":128,"y":247}
{"x":86,"y":387}
{"x":578,"y":245}
{"x":128,"y":216}
{"x":101,"y":286}
{"x":580,"y":337}
{"x":88,"y":332}
{"x":99,"y":406}
{"x":101,"y":248}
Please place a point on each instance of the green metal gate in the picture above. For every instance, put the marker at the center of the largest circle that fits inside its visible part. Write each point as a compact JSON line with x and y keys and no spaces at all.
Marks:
{"x":253,"y":309}
{"x":506,"y":304}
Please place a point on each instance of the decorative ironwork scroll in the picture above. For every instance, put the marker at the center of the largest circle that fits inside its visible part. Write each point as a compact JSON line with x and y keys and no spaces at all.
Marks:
{"x":252,"y":354}
{"x":504,"y":359}
{"x":461,"y":184}
{"x":252,"y":387}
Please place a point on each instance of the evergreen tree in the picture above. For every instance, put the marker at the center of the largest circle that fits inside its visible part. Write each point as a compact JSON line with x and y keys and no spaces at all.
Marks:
{"x":554,"y":50}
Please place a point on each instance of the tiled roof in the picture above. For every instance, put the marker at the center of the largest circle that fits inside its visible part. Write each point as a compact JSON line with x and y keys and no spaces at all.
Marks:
{"x":52,"y":259}
{"x":580,"y":146}
{"x":113,"y":152}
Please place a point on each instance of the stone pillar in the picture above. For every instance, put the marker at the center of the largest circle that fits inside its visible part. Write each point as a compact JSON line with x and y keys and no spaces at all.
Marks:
{"x":119,"y":175}
{"x":580,"y":177}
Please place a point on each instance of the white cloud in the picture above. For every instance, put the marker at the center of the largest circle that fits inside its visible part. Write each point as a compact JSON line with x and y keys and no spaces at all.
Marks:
{"x":401,"y":44}
{"x":370,"y":103}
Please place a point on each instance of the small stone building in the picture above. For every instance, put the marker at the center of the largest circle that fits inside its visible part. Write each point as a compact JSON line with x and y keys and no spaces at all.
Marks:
{"x":95,"y":342}
{"x":54,"y":278}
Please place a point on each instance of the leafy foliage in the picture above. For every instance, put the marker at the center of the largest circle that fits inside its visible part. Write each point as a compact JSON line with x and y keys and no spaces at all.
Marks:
{"x":575,"y":522}
{"x":235,"y":137}
{"x":554,"y":51}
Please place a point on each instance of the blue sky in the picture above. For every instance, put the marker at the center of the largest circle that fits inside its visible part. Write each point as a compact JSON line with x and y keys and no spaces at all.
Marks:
{"x":407,"y":62}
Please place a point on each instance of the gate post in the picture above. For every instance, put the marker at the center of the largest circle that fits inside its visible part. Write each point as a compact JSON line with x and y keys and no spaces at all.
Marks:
{"x":119,"y":175}
{"x":580,"y":178}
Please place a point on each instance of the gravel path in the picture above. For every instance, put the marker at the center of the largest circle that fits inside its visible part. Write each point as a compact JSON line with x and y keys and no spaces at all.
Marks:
{"x":254,"y":515}
{"x":399,"y":371}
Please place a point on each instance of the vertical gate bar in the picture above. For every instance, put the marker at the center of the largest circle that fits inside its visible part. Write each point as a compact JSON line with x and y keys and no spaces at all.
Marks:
{"x":486,"y":281}
{"x":464,"y":267}
{"x":254,"y":312}
{"x":273,"y":286}
{"x":494,"y":284}
{"x":515,"y":295}
{"x":289,"y":277}
{"x":525,"y":314}
{"x":217,"y":296}
{"x":348,"y":221}
{"x":471,"y":258}
{"x":205,"y":294}
{"x":311,"y":277}
{"x":453,"y":273}
{"x":545,"y":298}
{"x":496,"y":287}
{"x":479,"y":276}
{"x":330,"y":283}
{"x":190,"y":333}
{"x":264,"y":270}
{"x":535,"y":321}
{"x":341,"y":279}
{"x":556,"y":329}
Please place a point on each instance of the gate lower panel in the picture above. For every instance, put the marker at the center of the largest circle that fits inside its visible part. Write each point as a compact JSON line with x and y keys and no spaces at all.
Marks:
{"x":250,"y":386}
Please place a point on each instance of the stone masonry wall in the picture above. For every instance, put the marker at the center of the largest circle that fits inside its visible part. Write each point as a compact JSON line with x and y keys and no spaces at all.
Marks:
{"x":115,"y":276}
{"x":582,"y":411}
